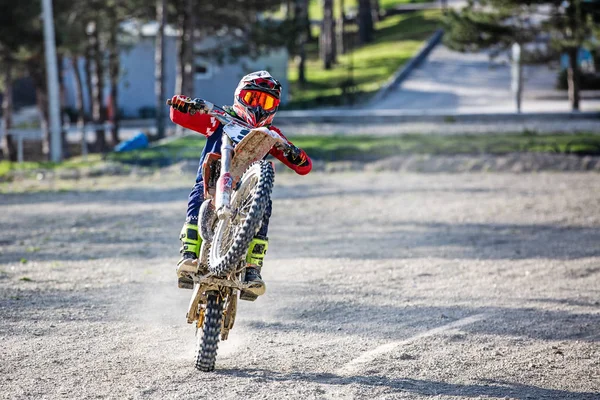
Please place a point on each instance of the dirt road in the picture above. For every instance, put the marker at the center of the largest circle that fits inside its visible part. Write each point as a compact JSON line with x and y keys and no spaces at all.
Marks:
{"x":380,"y":285}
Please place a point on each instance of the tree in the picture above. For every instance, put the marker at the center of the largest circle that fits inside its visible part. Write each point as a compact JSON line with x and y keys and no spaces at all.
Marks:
{"x":159,"y":67}
{"x":327,"y":37}
{"x":365,"y":21}
{"x":497,"y":24}
{"x":341,"y":29}
{"x":376,"y":10}
{"x":302,"y":38}
{"x":8,"y":146}
{"x":185,"y":47}
{"x":20,"y":38}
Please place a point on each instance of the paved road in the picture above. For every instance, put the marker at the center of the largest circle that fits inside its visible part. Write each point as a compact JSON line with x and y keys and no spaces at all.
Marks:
{"x":380,"y":286}
{"x":452,"y":82}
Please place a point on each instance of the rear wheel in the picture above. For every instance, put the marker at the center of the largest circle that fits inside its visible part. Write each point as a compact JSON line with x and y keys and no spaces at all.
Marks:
{"x":208,"y":339}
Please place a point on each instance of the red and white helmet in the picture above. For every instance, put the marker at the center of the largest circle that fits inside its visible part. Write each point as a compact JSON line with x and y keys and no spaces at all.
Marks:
{"x":257,"y":97}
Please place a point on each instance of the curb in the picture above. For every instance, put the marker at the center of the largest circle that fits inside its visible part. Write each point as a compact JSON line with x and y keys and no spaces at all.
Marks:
{"x":403,"y":72}
{"x":375,"y":116}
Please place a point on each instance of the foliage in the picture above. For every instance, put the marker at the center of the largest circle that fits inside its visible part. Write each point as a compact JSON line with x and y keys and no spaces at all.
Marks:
{"x":362,"y":71}
{"x":315,"y":8}
{"x":497,"y":24}
{"x":564,"y":26}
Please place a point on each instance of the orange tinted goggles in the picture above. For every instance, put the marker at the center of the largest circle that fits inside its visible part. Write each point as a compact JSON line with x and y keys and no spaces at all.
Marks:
{"x":255,"y":98}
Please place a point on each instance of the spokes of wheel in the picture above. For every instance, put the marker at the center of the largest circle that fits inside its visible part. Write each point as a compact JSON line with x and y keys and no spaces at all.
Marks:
{"x":248,"y":204}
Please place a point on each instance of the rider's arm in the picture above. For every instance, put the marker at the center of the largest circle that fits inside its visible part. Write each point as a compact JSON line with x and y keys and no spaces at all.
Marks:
{"x":302,"y":164}
{"x":199,"y":122}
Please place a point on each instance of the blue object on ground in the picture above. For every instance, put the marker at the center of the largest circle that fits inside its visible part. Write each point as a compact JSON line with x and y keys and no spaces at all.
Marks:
{"x":139,"y":141}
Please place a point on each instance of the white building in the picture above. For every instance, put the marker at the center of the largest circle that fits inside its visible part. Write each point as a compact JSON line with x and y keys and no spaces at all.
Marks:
{"x":212,"y":81}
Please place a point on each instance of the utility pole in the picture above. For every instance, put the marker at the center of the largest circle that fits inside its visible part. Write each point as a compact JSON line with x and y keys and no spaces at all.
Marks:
{"x":52,"y":78}
{"x":159,"y":61}
{"x":517,"y":75}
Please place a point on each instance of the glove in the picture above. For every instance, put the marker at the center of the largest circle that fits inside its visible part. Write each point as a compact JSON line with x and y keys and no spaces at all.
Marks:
{"x":185,"y":104}
{"x":294,"y":154}
{"x":181,"y":103}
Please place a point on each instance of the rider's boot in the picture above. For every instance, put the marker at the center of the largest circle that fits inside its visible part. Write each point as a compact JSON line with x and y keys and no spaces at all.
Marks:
{"x":188,"y":264}
{"x":254,"y":262}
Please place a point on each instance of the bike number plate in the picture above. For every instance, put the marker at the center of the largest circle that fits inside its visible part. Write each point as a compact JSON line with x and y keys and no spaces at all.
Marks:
{"x":236,"y":131}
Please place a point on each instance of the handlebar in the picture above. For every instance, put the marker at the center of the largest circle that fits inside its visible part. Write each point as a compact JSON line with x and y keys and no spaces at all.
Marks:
{"x":196,"y":105}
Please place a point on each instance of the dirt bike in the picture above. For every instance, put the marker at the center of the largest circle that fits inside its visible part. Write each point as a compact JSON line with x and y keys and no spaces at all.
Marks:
{"x":237,"y":188}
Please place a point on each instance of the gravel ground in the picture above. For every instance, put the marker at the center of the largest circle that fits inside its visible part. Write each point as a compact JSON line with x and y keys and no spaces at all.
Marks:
{"x":386,"y":285}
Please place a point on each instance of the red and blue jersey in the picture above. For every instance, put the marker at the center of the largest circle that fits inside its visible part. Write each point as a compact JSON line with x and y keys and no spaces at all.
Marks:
{"x":210,"y":127}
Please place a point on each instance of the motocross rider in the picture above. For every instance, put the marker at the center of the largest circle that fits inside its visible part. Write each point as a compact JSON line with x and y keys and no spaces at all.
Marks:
{"x":256,"y":100}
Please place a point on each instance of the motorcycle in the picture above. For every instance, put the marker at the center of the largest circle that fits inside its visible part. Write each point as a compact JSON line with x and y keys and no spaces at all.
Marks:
{"x":237,"y":188}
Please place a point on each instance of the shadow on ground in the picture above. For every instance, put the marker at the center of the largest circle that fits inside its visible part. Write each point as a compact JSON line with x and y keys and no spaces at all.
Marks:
{"x":489,"y":388}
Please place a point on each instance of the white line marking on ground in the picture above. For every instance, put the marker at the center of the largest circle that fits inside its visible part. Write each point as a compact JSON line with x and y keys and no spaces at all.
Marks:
{"x":371,"y":355}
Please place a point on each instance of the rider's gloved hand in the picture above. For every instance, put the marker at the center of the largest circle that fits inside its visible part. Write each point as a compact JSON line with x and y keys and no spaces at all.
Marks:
{"x":181,"y":103}
{"x":294,"y":154}
{"x":185,"y":105}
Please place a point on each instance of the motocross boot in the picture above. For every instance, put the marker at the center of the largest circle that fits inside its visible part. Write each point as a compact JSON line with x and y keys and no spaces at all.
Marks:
{"x":188,"y":264}
{"x":254,"y":262}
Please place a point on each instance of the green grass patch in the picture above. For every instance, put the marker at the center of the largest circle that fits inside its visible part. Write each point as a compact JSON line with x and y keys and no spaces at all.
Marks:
{"x":6,"y":167}
{"x":332,"y":148}
{"x":362,"y":71}
{"x":369,"y":147}
{"x":315,"y":7}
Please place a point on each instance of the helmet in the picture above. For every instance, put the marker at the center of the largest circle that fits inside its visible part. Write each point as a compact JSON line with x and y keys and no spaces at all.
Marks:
{"x":256,"y":98}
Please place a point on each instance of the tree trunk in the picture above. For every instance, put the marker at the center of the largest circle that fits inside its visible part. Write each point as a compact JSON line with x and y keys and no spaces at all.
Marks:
{"x":185,"y":50}
{"x":376,"y":11}
{"x":188,"y":65}
{"x":365,"y":21}
{"x":573,"y":75}
{"x":289,"y":8}
{"x":37,"y":71}
{"x":8,"y":146}
{"x":42,"y":103}
{"x":63,"y":105}
{"x":341,"y":28}
{"x":327,"y":39}
{"x":88,"y":67}
{"x":305,"y":21}
{"x":300,"y":13}
{"x":159,"y":62}
{"x":97,"y":83}
{"x":78,"y":95}
{"x":113,"y":70}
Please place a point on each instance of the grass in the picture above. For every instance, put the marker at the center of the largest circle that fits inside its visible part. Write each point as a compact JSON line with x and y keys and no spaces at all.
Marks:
{"x":76,"y":162}
{"x":361,"y":72}
{"x":332,"y":148}
{"x":368,"y":147}
{"x":315,"y":7}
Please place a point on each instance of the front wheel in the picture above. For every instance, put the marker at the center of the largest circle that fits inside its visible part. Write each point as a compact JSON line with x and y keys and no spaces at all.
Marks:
{"x":208,"y":338}
{"x":248,"y":203}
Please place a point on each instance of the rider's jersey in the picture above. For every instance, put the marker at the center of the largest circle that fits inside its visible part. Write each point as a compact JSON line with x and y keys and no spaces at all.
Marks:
{"x":210,"y":127}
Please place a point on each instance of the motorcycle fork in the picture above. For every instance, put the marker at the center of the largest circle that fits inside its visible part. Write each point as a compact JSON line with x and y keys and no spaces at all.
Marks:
{"x":225,"y":182}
